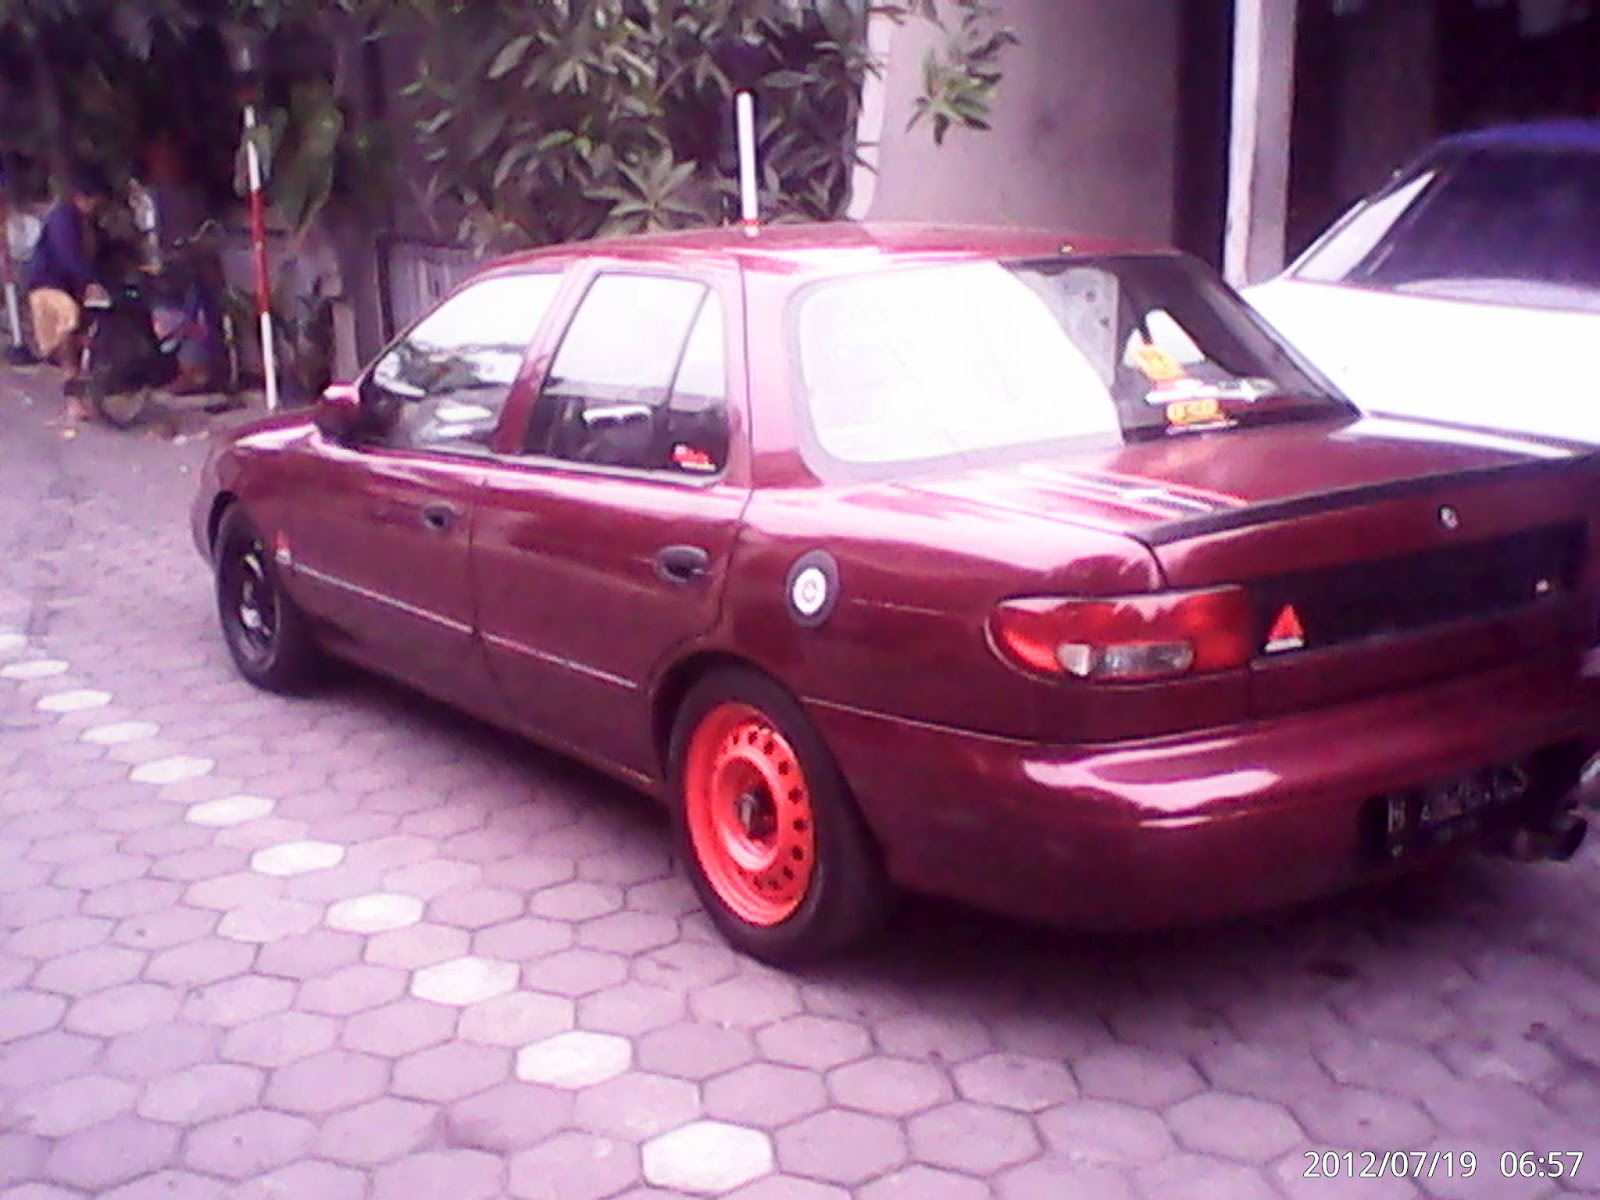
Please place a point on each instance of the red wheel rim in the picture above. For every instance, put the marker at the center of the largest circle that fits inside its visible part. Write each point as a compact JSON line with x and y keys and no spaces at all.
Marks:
{"x":748,"y":809}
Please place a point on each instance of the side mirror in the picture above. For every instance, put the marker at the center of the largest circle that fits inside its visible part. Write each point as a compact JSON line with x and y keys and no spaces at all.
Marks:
{"x":338,"y":411}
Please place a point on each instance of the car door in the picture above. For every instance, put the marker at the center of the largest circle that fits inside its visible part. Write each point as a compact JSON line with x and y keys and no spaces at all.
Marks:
{"x":382,"y":532}
{"x":605,"y":544}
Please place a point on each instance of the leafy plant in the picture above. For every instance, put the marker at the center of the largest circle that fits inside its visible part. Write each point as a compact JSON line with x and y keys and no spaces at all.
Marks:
{"x":565,"y":119}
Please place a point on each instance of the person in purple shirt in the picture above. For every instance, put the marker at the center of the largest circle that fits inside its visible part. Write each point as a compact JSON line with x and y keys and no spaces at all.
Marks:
{"x":62,"y":272}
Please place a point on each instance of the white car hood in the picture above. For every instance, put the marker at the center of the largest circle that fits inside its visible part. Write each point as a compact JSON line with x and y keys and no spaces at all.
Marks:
{"x":1486,"y":365}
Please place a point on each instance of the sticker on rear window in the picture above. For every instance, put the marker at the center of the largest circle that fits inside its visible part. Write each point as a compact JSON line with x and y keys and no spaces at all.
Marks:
{"x":1155,"y":363}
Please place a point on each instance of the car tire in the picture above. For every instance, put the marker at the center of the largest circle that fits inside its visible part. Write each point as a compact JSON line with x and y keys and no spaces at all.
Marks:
{"x":266,"y":634}
{"x":774,"y":844}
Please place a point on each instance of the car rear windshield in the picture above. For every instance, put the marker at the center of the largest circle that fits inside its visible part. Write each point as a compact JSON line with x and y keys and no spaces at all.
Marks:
{"x":976,"y":359}
{"x":1506,"y":226}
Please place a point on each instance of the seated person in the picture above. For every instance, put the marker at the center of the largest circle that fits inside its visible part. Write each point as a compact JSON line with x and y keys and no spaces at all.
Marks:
{"x":61,"y":274}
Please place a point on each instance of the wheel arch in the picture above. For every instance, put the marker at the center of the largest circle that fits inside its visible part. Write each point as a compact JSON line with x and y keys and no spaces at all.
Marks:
{"x":668,"y":699}
{"x":219,"y":509}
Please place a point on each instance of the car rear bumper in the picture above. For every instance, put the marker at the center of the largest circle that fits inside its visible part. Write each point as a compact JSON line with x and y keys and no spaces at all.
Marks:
{"x":1193,"y":828}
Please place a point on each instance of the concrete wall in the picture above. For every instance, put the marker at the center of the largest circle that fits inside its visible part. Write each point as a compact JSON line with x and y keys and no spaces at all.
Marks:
{"x":1085,"y":125}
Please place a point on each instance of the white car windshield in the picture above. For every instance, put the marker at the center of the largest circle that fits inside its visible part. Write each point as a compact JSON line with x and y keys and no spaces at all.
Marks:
{"x":932,"y":363}
{"x":1516,"y":226}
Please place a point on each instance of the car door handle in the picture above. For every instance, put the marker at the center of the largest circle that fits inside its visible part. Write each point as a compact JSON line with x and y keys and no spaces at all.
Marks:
{"x":439,"y":516}
{"x":681,"y":564}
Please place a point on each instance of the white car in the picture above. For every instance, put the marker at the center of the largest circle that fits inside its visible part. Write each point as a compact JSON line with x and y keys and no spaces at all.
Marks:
{"x":1467,"y":289}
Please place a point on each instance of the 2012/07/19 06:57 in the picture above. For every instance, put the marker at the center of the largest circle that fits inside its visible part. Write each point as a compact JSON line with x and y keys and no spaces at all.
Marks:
{"x":1438,"y":1164}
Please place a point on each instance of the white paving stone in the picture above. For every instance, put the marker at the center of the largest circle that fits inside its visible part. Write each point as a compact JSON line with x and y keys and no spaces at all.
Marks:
{"x":80,"y":700}
{"x":269,"y":921}
{"x":297,"y":858}
{"x":120,"y":733}
{"x":375,"y":913}
{"x":11,"y":642}
{"x":575,"y":1060}
{"x":176,"y":769}
{"x":229,"y":811}
{"x":34,"y":668}
{"x":707,"y":1157}
{"x":464,"y":981}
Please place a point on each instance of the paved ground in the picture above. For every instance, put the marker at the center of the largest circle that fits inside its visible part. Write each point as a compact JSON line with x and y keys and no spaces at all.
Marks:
{"x":355,"y":946}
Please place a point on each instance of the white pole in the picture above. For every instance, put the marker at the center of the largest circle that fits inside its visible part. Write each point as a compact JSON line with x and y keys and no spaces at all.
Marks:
{"x":14,"y":314}
{"x":744,"y":108}
{"x":258,"y":238}
{"x":1258,"y":157}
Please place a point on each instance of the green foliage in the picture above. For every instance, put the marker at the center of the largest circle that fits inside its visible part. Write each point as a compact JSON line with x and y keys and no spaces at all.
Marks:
{"x":959,"y":77}
{"x":566,"y":119}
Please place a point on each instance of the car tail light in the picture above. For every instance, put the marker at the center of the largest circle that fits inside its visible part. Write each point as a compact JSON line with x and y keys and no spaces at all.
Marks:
{"x":1126,"y":638}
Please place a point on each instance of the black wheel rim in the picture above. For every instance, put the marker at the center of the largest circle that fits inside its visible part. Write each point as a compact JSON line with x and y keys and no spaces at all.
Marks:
{"x":250,"y":604}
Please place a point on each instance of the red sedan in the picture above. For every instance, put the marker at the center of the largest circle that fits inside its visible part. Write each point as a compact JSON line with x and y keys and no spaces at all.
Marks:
{"x":998,"y":565}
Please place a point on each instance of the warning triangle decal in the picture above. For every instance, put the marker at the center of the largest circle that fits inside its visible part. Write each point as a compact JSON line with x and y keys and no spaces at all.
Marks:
{"x":1286,"y":633}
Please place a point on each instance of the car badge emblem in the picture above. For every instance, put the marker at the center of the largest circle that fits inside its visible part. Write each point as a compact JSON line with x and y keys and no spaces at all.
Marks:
{"x":1449,"y":517}
{"x":1286,"y":633}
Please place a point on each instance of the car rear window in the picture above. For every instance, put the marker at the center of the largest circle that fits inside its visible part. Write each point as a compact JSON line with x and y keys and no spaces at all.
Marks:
{"x":1508,"y":226}
{"x":965,"y":360}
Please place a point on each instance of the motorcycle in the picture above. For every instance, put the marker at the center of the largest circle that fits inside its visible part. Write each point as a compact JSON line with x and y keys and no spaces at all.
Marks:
{"x":146,"y":331}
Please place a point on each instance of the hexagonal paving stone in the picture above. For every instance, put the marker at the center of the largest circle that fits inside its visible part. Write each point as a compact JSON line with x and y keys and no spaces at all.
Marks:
{"x":1196,"y":1175}
{"x":77,"y":700}
{"x":297,"y":858}
{"x":509,"y":1117}
{"x":34,"y":668}
{"x":1053,"y":1178}
{"x":236,"y":1002}
{"x":815,"y":1042}
{"x":636,"y":1105}
{"x":973,"y":1138}
{"x":323,"y":1083}
{"x":100,"y":1157}
{"x":323,"y":1181}
{"x":201,"y":1093}
{"x":377,"y":913}
{"x":451,"y":1071}
{"x":921,"y":1182}
{"x":890,"y":1087}
{"x":1236,"y":1127}
{"x":417,"y":946}
{"x":708,"y":1157}
{"x":278,"y":1040}
{"x":352,"y":989}
{"x":1017,"y":1081}
{"x":250,"y":1143}
{"x":400,"y":1028}
{"x":841,"y":1147}
{"x":765,"y":1095}
{"x":1106,"y":1133}
{"x":458,"y":1174}
{"x":695,"y":1051}
{"x":573,"y":1166}
{"x":268,"y":920}
{"x":229,"y":811}
{"x":119,"y":733}
{"x":73,"y":1104}
{"x":575,"y":1060}
{"x":122,"y":1009}
{"x":749,"y":1002}
{"x":1145,"y":1077}
{"x":381,"y":1131}
{"x":463,"y":981}
{"x":516,"y":1019}
{"x":176,"y":769}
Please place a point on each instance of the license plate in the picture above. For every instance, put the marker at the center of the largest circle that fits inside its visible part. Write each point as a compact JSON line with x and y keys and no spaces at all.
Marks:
{"x":1450,"y":810}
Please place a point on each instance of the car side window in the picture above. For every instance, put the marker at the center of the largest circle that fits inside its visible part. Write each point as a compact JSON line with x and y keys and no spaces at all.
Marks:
{"x":640,"y":379}
{"x":443,"y":386}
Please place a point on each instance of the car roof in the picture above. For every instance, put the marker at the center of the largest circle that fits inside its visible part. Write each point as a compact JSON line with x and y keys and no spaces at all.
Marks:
{"x":827,"y":247}
{"x":1569,"y":134}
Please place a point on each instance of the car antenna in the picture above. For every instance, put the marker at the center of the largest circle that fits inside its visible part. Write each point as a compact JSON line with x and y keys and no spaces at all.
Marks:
{"x":744,"y":59}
